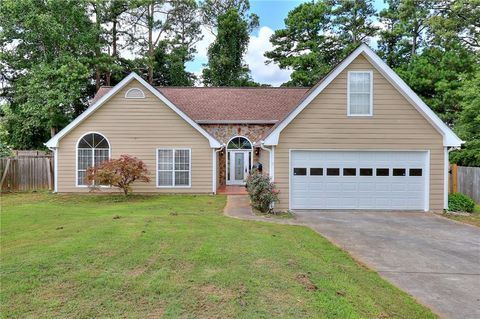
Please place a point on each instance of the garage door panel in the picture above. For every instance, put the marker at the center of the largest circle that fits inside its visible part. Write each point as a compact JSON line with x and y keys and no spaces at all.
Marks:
{"x":359,"y":192}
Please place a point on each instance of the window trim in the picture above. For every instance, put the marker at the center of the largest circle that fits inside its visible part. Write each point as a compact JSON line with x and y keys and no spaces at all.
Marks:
{"x":93,"y":158}
{"x":173,"y":149}
{"x":370,"y":113}
{"x":135,"y":97}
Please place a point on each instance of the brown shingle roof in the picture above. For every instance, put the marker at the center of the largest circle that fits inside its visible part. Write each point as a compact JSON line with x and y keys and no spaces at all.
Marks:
{"x":230,"y":104}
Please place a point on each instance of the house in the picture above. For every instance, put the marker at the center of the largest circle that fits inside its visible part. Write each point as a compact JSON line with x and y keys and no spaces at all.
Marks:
{"x":359,"y":139}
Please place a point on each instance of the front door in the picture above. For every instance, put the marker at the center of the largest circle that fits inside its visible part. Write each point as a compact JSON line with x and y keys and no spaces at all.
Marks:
{"x":238,"y":167}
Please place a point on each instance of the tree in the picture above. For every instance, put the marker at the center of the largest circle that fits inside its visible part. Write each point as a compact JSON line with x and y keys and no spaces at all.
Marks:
{"x":437,"y":74}
{"x":121,"y":173}
{"x":352,"y":22}
{"x":47,"y":50}
{"x":225,"y":55}
{"x":153,"y":21}
{"x":390,"y":43}
{"x":212,"y":9}
{"x":318,"y":35}
{"x":468,"y":124}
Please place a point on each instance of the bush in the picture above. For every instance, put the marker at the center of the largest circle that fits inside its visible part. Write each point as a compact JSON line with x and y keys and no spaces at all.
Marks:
{"x":262,"y":192}
{"x":458,"y":202}
{"x":120,"y":173}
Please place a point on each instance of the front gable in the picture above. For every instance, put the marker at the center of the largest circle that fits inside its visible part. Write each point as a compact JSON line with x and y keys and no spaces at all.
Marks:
{"x":393,"y":101}
{"x":131,"y":91}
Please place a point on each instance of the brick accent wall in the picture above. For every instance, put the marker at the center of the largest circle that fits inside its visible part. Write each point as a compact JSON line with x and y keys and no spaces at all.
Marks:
{"x":224,"y":132}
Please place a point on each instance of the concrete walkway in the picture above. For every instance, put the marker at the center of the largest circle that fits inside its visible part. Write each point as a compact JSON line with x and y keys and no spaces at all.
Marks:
{"x":432,"y":258}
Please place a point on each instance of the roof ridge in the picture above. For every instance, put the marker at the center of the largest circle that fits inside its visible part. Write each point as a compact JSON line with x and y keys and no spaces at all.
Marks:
{"x":236,"y":87}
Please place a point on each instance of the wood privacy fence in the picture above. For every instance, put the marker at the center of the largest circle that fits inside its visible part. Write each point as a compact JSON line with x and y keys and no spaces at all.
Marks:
{"x":26,"y":173}
{"x":465,"y":180}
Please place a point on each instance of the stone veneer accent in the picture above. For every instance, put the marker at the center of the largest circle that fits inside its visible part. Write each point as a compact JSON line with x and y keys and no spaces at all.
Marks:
{"x":224,"y":132}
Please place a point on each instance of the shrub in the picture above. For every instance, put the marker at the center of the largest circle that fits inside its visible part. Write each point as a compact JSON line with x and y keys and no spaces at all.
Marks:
{"x":120,"y":173}
{"x":458,"y":202}
{"x":262,"y":192}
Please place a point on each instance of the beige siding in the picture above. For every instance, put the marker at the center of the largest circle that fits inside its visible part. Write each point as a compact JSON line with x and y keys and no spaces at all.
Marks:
{"x":138,"y":127}
{"x":264,"y":158}
{"x":395,"y":125}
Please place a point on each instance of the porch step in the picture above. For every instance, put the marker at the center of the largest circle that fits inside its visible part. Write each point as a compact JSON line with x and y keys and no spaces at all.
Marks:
{"x":232,"y":190}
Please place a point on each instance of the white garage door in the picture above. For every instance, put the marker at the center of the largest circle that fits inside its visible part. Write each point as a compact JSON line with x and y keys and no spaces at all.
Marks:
{"x":358,"y":180}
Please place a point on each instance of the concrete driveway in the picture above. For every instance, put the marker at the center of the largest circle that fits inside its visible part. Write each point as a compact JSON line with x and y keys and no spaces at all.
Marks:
{"x":432,"y":258}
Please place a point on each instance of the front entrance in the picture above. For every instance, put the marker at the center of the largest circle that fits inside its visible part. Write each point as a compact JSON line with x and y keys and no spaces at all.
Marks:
{"x":239,"y":160}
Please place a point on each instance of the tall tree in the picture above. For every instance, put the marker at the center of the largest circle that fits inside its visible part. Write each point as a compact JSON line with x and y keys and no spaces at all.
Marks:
{"x":390,"y":45}
{"x":318,"y":34}
{"x":47,"y":49}
{"x":225,"y":55}
{"x":352,"y":22}
{"x":212,"y":9}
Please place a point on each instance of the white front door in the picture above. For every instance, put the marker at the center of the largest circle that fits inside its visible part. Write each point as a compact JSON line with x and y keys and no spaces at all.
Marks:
{"x":389,"y":180}
{"x":237,"y":167}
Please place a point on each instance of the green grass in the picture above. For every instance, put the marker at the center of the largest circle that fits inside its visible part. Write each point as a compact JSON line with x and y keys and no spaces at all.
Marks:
{"x":473,"y":219}
{"x":176,"y":257}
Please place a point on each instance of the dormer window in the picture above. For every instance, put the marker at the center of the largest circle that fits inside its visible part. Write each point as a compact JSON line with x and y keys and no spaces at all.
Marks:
{"x":360,"y":93}
{"x":134,"y":93}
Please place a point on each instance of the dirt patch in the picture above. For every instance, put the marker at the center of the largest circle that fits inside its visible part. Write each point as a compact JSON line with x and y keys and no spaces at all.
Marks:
{"x":212,"y":302}
{"x":137,"y":271}
{"x":306,"y":282}
{"x":292,"y":263}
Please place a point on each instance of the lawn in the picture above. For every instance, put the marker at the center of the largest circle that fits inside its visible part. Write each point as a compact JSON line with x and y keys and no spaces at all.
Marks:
{"x":176,"y":257}
{"x":473,"y":219}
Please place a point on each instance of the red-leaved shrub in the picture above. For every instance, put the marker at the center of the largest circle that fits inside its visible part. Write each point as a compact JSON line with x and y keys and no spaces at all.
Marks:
{"x":121,"y":173}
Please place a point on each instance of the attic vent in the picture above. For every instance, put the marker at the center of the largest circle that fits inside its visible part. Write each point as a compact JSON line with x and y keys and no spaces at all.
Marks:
{"x":134,"y":93}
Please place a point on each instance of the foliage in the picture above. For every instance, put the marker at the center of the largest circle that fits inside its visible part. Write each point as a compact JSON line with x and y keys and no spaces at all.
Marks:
{"x":121,"y":173}
{"x":262,"y":192}
{"x":468,"y":124}
{"x":437,"y":75}
{"x":212,"y":9}
{"x":225,"y":55}
{"x":318,"y":35}
{"x":458,"y":202}
{"x":5,"y":150}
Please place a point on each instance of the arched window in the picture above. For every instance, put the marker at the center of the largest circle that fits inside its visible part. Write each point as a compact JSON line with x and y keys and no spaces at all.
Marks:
{"x":239,"y":143}
{"x":92,"y":149}
{"x":134,"y":93}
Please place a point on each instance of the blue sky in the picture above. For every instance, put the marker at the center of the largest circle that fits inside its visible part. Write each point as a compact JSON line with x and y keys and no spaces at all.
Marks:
{"x":271,"y":14}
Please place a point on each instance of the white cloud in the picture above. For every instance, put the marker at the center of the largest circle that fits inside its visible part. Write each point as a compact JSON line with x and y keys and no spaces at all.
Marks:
{"x":262,"y":73}
{"x":202,"y":46}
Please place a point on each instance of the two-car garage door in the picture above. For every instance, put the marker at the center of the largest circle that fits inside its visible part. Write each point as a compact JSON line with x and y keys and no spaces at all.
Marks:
{"x":390,"y":180}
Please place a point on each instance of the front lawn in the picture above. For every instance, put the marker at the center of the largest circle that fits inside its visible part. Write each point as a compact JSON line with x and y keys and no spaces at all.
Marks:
{"x":176,"y":257}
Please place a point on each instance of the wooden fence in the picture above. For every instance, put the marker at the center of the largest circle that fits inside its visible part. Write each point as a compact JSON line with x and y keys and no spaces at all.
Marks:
{"x":465,"y":180}
{"x":26,"y":173}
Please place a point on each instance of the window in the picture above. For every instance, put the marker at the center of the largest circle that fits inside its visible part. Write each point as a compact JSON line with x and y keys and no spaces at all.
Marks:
{"x":333,"y":171}
{"x":366,"y":171}
{"x":383,"y":172}
{"x":399,"y":172}
{"x":349,"y":172}
{"x":173,"y":167}
{"x":415,"y":172}
{"x":316,"y":171}
{"x":135,"y":93}
{"x":298,"y":171}
{"x":239,"y":143}
{"x":360,"y":88}
{"x":92,"y":149}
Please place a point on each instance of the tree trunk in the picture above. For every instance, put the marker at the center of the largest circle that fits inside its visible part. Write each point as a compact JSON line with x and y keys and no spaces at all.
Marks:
{"x":150,"y":43}
{"x":114,"y":51}
{"x":53,"y":131}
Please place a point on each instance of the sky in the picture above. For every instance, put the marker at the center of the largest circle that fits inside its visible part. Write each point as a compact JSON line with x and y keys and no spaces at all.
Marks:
{"x":271,"y":14}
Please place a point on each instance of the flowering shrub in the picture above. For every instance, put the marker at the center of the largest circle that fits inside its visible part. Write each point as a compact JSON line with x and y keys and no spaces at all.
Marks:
{"x":262,"y":192}
{"x":121,"y":173}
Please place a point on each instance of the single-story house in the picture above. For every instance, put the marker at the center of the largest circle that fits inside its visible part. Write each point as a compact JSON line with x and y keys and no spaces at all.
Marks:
{"x":359,"y":139}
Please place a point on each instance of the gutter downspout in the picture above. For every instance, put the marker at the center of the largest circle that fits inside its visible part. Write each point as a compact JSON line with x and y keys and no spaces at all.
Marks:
{"x":214,"y":168}
{"x":271,"y":157}
{"x":55,"y":168}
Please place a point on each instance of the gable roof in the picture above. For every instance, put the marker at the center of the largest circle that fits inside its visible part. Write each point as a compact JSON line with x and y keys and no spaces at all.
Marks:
{"x":250,"y":105}
{"x":449,"y":137}
{"x":53,"y":142}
